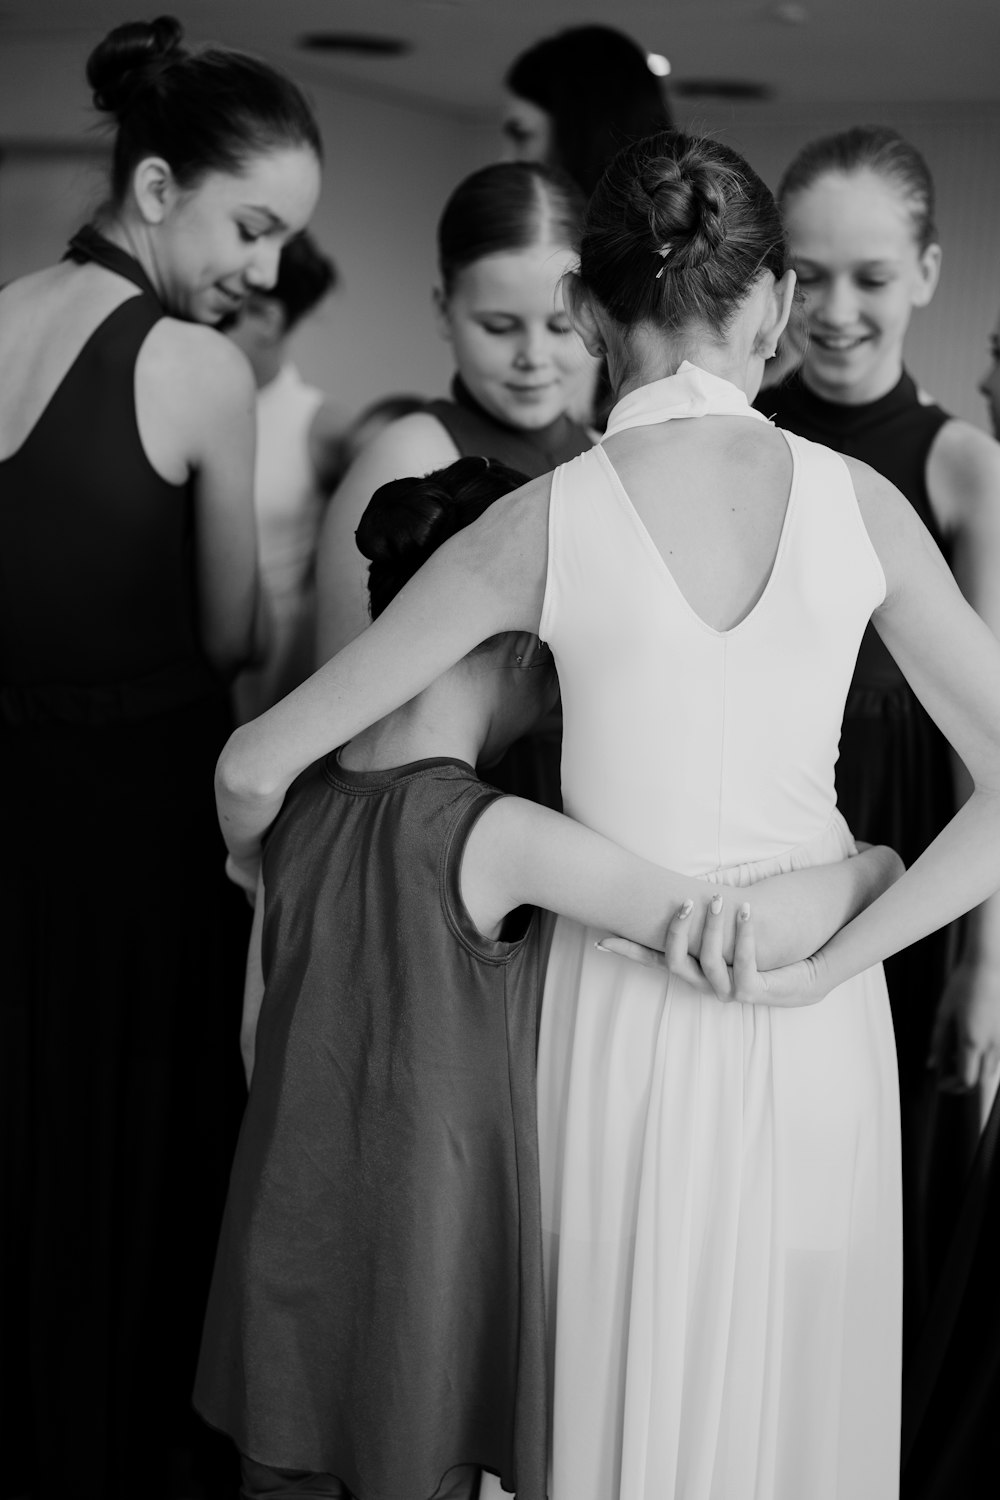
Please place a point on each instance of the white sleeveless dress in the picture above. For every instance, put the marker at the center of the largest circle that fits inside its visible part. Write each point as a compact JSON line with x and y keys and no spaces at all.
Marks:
{"x":721,"y":1183}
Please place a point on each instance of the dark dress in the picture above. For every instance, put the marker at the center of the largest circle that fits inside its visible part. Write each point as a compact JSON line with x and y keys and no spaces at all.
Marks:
{"x":530,"y":768}
{"x":376,"y":1310}
{"x":895,"y":786}
{"x":123,"y":944}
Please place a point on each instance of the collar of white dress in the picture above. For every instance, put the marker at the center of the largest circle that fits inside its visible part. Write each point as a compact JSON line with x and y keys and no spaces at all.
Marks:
{"x":689,"y":392}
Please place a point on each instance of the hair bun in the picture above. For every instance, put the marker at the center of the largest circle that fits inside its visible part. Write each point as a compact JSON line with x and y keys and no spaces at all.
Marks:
{"x":403,"y":517}
{"x":687,"y":211}
{"x":129,"y":57}
{"x":408,"y":519}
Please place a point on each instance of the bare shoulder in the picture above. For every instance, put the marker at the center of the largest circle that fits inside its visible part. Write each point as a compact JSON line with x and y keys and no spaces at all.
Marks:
{"x":963,"y":474}
{"x":418,"y":442}
{"x":514,"y":529}
{"x":897,"y":533}
{"x":204,"y":362}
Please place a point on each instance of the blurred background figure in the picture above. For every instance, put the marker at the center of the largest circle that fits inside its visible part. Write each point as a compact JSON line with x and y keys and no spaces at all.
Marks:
{"x":859,"y":213}
{"x":574,"y":99}
{"x":299,"y":434}
{"x":951,"y":1442}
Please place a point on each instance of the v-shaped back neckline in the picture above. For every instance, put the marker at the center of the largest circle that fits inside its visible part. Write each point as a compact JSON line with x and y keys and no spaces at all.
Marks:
{"x":693,"y":392}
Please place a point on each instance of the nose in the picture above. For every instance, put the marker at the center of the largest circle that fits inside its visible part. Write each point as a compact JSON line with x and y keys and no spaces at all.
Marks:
{"x":835,"y":304}
{"x":262,"y":271}
{"x":532,"y":349}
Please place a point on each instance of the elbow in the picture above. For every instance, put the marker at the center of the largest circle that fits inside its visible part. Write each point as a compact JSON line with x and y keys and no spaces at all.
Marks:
{"x":240,"y":778}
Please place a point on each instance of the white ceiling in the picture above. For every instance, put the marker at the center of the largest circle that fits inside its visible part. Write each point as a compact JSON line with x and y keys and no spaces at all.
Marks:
{"x":843,"y":50}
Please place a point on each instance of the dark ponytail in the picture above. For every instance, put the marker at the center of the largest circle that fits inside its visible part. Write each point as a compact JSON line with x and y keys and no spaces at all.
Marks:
{"x":408,"y":519}
{"x":201,"y":111}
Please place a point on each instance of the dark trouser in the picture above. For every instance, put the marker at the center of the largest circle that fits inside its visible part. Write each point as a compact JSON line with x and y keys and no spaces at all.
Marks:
{"x":262,"y":1483}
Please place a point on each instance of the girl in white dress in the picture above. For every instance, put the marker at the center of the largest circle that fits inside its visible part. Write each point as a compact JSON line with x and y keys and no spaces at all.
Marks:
{"x":720,"y":1180}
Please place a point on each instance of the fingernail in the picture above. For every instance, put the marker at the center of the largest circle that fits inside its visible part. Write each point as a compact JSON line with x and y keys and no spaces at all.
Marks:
{"x":687,"y":907}
{"x":745,"y":912}
{"x":716,"y":905}
{"x":601,"y":948}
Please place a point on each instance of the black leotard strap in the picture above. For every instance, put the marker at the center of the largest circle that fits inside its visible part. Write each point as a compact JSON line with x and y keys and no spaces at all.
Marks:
{"x":90,"y":244}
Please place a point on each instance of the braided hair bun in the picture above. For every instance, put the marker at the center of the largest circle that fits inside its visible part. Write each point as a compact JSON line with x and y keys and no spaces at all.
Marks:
{"x":129,"y":58}
{"x":687,"y":210}
{"x":677,"y":232}
{"x":408,"y":519}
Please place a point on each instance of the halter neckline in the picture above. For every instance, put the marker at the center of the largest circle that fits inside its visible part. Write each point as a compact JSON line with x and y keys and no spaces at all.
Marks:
{"x":90,"y":244}
{"x":689,"y":392}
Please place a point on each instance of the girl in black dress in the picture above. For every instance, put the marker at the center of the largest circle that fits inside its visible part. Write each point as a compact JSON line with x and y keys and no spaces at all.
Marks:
{"x":375,"y":1326}
{"x":859,"y":212}
{"x":505,"y":238}
{"x":126,"y":602}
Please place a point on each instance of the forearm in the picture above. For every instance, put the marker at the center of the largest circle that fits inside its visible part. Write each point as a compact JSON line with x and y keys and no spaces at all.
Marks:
{"x":796,"y":914}
{"x":958,"y":871}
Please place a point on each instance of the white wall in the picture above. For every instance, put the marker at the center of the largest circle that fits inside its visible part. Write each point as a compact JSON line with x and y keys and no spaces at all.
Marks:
{"x":947,"y":343}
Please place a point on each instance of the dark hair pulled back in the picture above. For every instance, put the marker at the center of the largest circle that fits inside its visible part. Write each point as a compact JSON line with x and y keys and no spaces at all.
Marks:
{"x":508,"y":206}
{"x":201,"y":111}
{"x":677,"y":232}
{"x":873,"y":148}
{"x":408,"y":519}
{"x":595,"y":84}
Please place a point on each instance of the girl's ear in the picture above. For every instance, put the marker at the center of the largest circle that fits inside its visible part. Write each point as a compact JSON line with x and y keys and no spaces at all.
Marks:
{"x":580,"y":309}
{"x":778,"y":309}
{"x":154,"y":188}
{"x":929,"y":265}
{"x":441,"y":318}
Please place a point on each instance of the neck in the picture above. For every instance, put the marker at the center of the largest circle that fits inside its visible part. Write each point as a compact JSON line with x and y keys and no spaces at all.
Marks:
{"x":442,"y":722}
{"x":268,"y":365}
{"x":649,"y":357}
{"x":862,"y":394}
{"x":132,"y":236}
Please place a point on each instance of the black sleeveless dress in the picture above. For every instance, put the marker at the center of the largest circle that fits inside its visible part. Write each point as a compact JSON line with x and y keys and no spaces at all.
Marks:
{"x":894,"y":786}
{"x":123,"y":944}
{"x":530,"y":768}
{"x":376,"y":1310}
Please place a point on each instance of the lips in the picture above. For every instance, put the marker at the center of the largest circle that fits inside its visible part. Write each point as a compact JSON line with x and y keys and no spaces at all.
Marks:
{"x":233,"y":299}
{"x":838,"y":345}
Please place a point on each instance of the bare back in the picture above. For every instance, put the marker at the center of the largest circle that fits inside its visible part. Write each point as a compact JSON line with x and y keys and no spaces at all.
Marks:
{"x":712,"y":494}
{"x":45,"y":320}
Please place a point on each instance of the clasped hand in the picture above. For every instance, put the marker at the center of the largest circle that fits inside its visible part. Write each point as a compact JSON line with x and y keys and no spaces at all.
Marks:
{"x":707,"y":970}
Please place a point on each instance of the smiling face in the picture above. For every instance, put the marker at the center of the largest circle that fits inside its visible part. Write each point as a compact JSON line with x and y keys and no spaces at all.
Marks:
{"x":513,"y":342}
{"x":861,"y":272}
{"x":216,"y":243}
